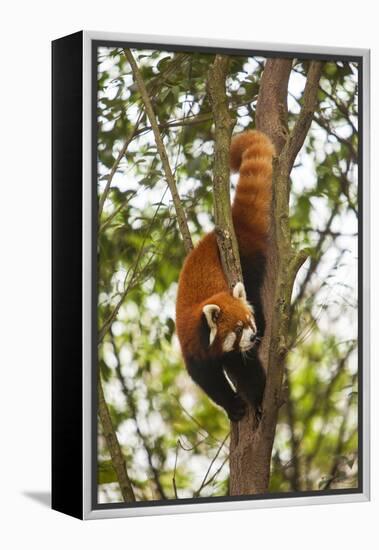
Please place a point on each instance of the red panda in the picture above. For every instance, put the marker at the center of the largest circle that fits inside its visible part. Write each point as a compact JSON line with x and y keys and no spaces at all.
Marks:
{"x":219,"y":330}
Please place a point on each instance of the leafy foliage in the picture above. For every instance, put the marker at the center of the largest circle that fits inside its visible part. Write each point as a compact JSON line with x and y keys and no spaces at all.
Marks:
{"x":175,"y":441}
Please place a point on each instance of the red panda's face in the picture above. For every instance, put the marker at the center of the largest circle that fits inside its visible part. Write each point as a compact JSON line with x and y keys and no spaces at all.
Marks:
{"x":231,"y":322}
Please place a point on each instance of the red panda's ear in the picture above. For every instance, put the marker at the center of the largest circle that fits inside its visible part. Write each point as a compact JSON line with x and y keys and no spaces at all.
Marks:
{"x":239,"y":292}
{"x":211,"y":312}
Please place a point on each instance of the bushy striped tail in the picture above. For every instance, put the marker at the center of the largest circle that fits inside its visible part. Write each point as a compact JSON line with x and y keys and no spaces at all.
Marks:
{"x":251,"y":154}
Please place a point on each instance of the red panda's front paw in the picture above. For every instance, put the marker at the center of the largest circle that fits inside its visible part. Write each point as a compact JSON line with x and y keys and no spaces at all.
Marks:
{"x":237,"y":409}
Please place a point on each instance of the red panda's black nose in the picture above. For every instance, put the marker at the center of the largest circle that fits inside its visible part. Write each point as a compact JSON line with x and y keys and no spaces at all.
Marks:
{"x":253,"y":337}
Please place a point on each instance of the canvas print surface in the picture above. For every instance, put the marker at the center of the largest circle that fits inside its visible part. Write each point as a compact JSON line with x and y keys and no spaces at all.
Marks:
{"x":228,"y":195}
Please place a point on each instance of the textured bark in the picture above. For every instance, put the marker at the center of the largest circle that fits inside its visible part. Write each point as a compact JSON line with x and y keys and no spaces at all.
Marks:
{"x":272,"y":112}
{"x":252,"y":442}
{"x":251,"y":445}
{"x":226,"y":237}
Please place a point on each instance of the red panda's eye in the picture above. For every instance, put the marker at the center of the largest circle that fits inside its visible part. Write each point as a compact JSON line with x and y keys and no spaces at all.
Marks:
{"x":238,"y":329}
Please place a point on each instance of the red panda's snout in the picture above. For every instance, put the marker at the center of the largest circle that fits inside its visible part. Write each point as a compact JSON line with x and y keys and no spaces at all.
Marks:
{"x":242,"y":338}
{"x":231,"y":322}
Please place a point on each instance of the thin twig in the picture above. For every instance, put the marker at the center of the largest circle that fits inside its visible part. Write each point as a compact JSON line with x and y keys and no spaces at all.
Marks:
{"x":116,"y":163}
{"x":182,"y":220}
{"x":315,"y":257}
{"x":325,"y":125}
{"x":116,"y":211}
{"x":174,"y":474}
{"x":193,"y":119}
{"x":195,"y":446}
{"x":204,"y":482}
{"x":341,"y":107}
{"x":213,"y":477}
{"x":130,"y":401}
{"x":333,"y":472}
{"x":294,"y":440}
{"x":154,"y":84}
{"x":114,"y":448}
{"x":128,"y":287}
{"x":196,"y":421}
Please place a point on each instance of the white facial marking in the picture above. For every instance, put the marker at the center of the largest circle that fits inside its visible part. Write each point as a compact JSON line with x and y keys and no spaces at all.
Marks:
{"x":228,"y":343}
{"x":212,"y":336}
{"x":254,"y":326}
{"x":245,"y":342}
{"x":211,"y":312}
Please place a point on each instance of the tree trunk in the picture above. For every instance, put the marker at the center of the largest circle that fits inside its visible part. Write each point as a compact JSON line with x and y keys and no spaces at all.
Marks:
{"x":252,"y":442}
{"x":250,"y":451}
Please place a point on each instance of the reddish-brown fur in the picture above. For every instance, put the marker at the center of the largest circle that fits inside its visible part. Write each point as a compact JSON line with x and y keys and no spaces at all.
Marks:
{"x":251,"y":152}
{"x":202,"y":280}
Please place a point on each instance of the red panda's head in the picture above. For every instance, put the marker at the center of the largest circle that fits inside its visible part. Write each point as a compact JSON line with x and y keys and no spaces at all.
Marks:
{"x":231,"y":322}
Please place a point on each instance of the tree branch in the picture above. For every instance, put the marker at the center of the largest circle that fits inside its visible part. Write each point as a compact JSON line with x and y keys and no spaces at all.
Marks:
{"x":333,"y":472}
{"x":226,"y":238}
{"x":315,"y":258}
{"x":344,"y":109}
{"x":154,"y":84}
{"x":303,"y":122}
{"x":182,"y":220}
{"x":128,"y":285}
{"x":206,"y":482}
{"x":325,"y":125}
{"x":272,"y":111}
{"x":111,"y":216}
{"x":114,"y":447}
{"x":130,"y":402}
{"x":117,"y":161}
{"x":295,"y":477}
{"x":205,"y":433}
{"x":174,"y":473}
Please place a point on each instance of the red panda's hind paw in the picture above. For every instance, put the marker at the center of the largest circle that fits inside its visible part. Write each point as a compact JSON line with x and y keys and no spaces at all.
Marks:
{"x":237,"y":409}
